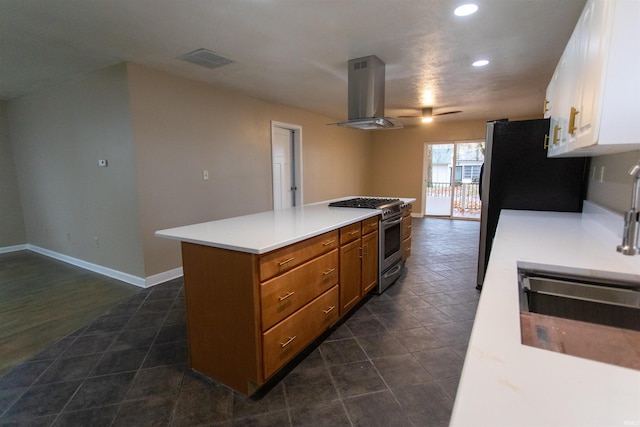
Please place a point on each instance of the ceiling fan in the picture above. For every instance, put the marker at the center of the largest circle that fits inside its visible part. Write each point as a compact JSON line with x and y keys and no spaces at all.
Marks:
{"x":427,"y":114}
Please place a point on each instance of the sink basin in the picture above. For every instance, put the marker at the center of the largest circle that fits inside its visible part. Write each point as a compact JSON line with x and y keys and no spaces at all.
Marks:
{"x":584,"y":313}
{"x":584,"y":295}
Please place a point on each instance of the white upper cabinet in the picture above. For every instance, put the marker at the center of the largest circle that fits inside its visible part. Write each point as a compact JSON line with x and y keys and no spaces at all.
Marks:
{"x":593,"y":98}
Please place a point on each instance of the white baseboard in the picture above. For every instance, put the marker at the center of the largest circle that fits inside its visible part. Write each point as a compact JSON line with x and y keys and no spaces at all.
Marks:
{"x":163,"y":277}
{"x":15,"y":248}
{"x":105,"y":271}
{"x":143,"y":282}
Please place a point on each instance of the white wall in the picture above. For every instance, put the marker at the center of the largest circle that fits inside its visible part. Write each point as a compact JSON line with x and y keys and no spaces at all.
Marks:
{"x":12,"y":231}
{"x":614,"y":192}
{"x":58,"y":136}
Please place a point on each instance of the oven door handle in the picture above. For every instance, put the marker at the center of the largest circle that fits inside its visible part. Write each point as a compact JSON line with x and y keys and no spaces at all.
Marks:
{"x":391,"y":223}
{"x":393,"y":271}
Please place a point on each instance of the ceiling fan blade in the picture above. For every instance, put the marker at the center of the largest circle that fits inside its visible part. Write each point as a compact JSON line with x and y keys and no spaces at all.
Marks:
{"x":448,"y":112}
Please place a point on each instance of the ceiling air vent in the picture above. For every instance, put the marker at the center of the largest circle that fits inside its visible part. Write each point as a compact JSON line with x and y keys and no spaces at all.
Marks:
{"x":205,"y":58}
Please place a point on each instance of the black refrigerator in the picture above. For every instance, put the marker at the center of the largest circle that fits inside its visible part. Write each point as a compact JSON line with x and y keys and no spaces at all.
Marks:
{"x":517,"y":174}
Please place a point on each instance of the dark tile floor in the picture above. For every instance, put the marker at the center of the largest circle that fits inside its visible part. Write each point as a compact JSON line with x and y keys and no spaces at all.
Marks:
{"x":395,"y":362}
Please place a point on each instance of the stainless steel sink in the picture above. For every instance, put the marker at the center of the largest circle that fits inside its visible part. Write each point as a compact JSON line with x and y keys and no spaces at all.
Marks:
{"x":609,"y":299}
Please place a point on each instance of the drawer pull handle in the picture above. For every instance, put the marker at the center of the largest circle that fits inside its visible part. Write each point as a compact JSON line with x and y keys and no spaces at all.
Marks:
{"x":284,"y":344}
{"x":286,"y":296}
{"x":328,"y":310}
{"x":286,"y":261}
{"x":351,"y":233}
{"x":327,"y":243}
{"x":329,"y":271}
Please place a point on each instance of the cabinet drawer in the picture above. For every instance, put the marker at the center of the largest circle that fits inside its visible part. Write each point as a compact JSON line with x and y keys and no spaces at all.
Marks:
{"x":286,"y":293}
{"x":407,"y":210}
{"x":349,"y":233}
{"x":285,"y":259}
{"x":369,"y":225}
{"x":282,"y":342}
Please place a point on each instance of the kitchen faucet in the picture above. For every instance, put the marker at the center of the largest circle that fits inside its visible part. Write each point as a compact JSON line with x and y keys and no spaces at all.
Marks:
{"x":630,"y":231}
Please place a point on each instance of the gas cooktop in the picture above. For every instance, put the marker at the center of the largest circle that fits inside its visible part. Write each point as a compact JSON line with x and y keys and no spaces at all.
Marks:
{"x":366,"y":203}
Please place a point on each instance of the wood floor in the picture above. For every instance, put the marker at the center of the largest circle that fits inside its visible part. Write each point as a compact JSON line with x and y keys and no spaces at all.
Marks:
{"x":42,"y":300}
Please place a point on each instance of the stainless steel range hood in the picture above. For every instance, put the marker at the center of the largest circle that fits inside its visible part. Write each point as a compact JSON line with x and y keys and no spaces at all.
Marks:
{"x":366,"y":95}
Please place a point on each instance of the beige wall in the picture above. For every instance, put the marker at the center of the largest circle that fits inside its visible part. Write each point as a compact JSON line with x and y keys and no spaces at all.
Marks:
{"x":397,"y":155}
{"x":58,"y":135}
{"x":614,"y":192}
{"x":159,"y":132}
{"x":12,"y":231}
{"x":182,"y":127}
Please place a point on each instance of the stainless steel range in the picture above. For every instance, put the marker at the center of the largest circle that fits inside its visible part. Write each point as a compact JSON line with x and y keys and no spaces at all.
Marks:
{"x":390,"y":259}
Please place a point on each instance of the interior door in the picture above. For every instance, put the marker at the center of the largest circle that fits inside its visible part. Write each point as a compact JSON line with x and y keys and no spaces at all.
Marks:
{"x":282,"y":152}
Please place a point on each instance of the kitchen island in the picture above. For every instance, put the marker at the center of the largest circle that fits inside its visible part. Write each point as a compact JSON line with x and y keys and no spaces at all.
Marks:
{"x":260,"y":288}
{"x":507,"y":383}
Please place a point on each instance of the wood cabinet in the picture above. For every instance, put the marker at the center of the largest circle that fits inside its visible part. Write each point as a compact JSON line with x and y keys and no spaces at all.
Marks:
{"x":406,"y":231}
{"x":370,"y":255}
{"x":593,"y":98}
{"x":350,"y":275}
{"x":358,"y":262}
{"x":250,"y":314}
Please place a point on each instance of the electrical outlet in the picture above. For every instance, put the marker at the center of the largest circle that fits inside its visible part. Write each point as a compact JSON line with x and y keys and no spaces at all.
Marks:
{"x":103,"y":163}
{"x":205,"y":174}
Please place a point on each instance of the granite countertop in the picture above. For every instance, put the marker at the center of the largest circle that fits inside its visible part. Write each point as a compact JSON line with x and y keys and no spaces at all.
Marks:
{"x":506,"y":383}
{"x":266,"y":231}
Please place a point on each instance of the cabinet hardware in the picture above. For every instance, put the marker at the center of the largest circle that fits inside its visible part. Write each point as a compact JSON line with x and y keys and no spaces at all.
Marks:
{"x":556,"y":129}
{"x":286,"y":261}
{"x":329,"y":271}
{"x":572,"y":120}
{"x":284,"y":344}
{"x":360,"y":249}
{"x":282,"y":298}
{"x":545,"y":109}
{"x":351,"y":233}
{"x":327,"y":243}
{"x":328,"y":310}
{"x":546,"y":141}
{"x":365,"y":250}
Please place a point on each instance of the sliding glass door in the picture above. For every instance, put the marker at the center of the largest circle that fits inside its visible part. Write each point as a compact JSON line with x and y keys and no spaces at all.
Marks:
{"x":451,"y":179}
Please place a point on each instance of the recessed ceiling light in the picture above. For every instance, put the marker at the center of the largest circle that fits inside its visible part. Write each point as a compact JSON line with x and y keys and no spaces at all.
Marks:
{"x":465,"y":9}
{"x":427,"y":119}
{"x":480,"y":63}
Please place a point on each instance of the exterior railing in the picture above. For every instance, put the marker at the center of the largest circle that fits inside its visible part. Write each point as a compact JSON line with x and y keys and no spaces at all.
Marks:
{"x":466,"y":196}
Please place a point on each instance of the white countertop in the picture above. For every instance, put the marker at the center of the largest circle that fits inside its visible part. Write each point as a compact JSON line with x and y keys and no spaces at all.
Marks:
{"x":505,"y":383}
{"x":265,"y":231}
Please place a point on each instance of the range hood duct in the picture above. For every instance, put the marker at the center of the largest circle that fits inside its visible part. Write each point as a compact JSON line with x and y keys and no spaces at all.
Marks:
{"x":366,"y":95}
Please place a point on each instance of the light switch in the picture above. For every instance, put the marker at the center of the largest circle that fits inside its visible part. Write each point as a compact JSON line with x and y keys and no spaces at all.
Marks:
{"x":205,"y":174}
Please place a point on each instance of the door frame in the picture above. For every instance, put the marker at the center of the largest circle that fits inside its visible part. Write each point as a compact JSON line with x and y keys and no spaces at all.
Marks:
{"x":452,"y":175}
{"x":296,"y":159}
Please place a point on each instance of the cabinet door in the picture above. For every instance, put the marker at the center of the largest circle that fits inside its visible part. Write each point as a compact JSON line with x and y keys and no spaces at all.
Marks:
{"x":369,"y":262}
{"x":350,"y":275}
{"x":588,"y":79}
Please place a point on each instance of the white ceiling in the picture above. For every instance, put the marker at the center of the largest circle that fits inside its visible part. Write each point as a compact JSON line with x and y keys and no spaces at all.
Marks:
{"x":295,"y":52}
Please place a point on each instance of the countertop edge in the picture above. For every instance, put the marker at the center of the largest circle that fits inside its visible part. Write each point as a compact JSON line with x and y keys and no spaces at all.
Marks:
{"x":194,"y":233}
